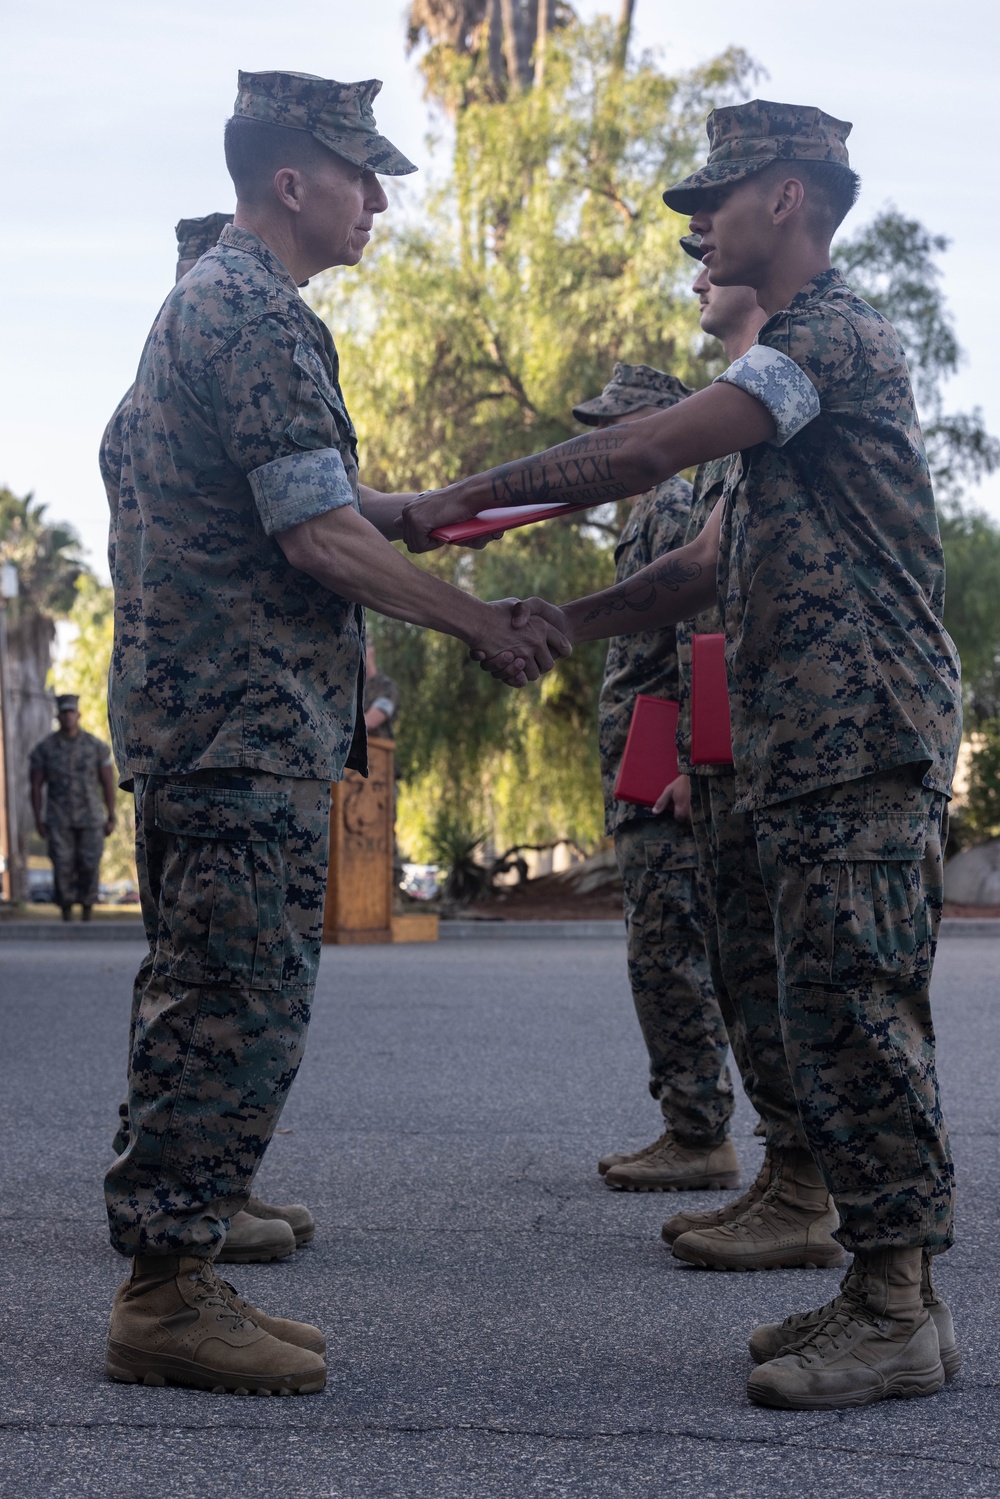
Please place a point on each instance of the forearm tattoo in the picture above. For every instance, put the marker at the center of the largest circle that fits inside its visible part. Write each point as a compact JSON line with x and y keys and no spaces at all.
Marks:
{"x":582,"y":472}
{"x":639,"y":593}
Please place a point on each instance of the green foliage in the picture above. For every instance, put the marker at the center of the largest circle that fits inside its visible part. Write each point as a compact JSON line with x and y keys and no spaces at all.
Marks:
{"x":478,"y":321}
{"x":47,"y":557}
{"x":84,"y":669}
{"x":466,"y":337}
{"x":972,"y":601}
{"x":546,"y":255}
{"x":454,"y":843}
{"x":892,"y":262}
{"x":982,"y":806}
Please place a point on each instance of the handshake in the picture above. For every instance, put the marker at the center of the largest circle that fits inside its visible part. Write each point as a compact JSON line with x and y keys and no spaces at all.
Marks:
{"x":520,"y":640}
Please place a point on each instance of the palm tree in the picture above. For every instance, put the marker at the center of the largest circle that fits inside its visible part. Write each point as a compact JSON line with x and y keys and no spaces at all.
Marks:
{"x":48,"y":562}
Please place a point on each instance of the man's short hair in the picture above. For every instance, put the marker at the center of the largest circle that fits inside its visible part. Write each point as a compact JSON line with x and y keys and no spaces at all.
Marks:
{"x":256,"y":150}
{"x":831,"y":189}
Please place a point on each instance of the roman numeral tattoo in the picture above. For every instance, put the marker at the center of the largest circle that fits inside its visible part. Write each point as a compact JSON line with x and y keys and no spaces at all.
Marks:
{"x":582,"y":473}
{"x":638,"y":594}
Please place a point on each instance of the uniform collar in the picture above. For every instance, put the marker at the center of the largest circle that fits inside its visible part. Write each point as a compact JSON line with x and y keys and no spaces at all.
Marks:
{"x":252,"y":244}
{"x":819,"y":286}
{"x":816,"y":290}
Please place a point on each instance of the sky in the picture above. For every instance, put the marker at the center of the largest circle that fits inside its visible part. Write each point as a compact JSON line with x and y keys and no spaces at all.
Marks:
{"x":111,"y":118}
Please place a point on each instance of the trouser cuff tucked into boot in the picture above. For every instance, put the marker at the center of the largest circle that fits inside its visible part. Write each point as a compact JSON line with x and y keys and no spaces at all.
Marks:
{"x":771,"y":1339}
{"x":876,"y":1342}
{"x":175,"y":1322}
{"x":789,"y":1226}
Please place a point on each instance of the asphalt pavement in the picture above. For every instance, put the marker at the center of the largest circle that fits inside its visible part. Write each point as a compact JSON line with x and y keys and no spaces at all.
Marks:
{"x":500,"y":1325}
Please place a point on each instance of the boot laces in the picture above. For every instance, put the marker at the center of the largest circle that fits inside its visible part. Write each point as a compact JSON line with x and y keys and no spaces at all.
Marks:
{"x":213,"y":1292}
{"x":663,"y":1142}
{"x":760,"y":1216}
{"x":831,"y":1332}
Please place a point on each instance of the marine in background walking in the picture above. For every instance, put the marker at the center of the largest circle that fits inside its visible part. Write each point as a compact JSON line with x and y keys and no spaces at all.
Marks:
{"x":668,"y":969}
{"x":73,"y":799}
{"x":381,"y":698}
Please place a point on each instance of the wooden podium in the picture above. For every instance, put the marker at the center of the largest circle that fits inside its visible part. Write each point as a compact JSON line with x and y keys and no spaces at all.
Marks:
{"x":359,"y":886}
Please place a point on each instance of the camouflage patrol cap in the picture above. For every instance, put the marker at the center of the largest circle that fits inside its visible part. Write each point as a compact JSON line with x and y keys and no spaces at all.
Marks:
{"x":197,"y":236}
{"x":631,"y":387}
{"x":743,"y":138}
{"x":691,"y":245}
{"x":338,"y":115}
{"x":67,"y":702}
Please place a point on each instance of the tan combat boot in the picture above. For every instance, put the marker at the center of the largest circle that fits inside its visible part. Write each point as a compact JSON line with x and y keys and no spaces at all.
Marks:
{"x":256,"y":1241}
{"x":175,"y":1322}
{"x":299,"y":1334}
{"x":621,"y":1158}
{"x":295,"y":1214}
{"x":788,"y":1227}
{"x":682,"y":1223}
{"x":672,"y":1166}
{"x":879,"y":1344}
{"x":771,"y":1339}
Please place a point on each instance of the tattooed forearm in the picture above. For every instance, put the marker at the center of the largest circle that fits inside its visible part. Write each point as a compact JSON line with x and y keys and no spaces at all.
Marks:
{"x":639,"y":594}
{"x":583,"y":472}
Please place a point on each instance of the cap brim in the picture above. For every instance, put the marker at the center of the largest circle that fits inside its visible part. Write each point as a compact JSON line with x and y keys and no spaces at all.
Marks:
{"x":691,"y":245}
{"x":587,"y":414}
{"x":373,"y":152}
{"x":686,"y":195}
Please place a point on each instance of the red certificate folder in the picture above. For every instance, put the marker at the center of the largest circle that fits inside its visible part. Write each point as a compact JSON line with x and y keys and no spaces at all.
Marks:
{"x":711,"y":734}
{"x":503,"y":518}
{"x":650,"y":759}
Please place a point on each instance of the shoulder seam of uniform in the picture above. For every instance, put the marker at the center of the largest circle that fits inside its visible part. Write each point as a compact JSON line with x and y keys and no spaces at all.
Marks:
{"x":257,"y":316}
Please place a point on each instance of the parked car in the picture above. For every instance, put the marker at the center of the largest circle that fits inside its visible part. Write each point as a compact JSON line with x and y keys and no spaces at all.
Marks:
{"x":41,"y":887}
{"x":421,"y":881}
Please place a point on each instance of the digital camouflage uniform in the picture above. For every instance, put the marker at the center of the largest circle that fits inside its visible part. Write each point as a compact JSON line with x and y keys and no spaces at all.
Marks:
{"x":195,"y":237}
{"x":235,"y":698}
{"x":846,"y":718}
{"x":739,"y":930}
{"x":381,"y":692}
{"x":75,"y":813}
{"x":668,"y":970}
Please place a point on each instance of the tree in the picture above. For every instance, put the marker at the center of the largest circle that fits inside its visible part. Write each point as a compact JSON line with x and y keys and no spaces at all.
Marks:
{"x":544,"y":255}
{"x":48,"y":561}
{"x":466,"y":338}
{"x":892,"y":262}
{"x":484,"y":49}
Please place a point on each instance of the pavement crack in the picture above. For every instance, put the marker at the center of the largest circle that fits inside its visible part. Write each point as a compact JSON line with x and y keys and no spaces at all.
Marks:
{"x":529,"y":1433}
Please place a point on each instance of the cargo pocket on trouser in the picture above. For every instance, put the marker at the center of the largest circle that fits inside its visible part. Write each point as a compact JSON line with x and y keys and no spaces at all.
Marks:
{"x":856,"y":941}
{"x":863,"y":904}
{"x":675,"y":908}
{"x":222,"y":904}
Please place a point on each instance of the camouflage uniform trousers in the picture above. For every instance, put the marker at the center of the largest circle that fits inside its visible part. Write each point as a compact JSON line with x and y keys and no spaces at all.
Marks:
{"x":232,"y":872}
{"x":854,"y":878}
{"x":76,"y":863}
{"x":671,"y":986}
{"x":739,"y":937}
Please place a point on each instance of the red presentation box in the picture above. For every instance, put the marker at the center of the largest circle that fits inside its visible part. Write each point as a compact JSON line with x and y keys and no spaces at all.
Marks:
{"x":650,"y":759}
{"x":711,"y":731}
{"x":503,"y":518}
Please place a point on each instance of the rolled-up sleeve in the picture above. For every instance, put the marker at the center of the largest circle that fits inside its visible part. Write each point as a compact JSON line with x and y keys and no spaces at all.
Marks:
{"x":291,"y":490}
{"x":778,"y":383}
{"x":282,"y":419}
